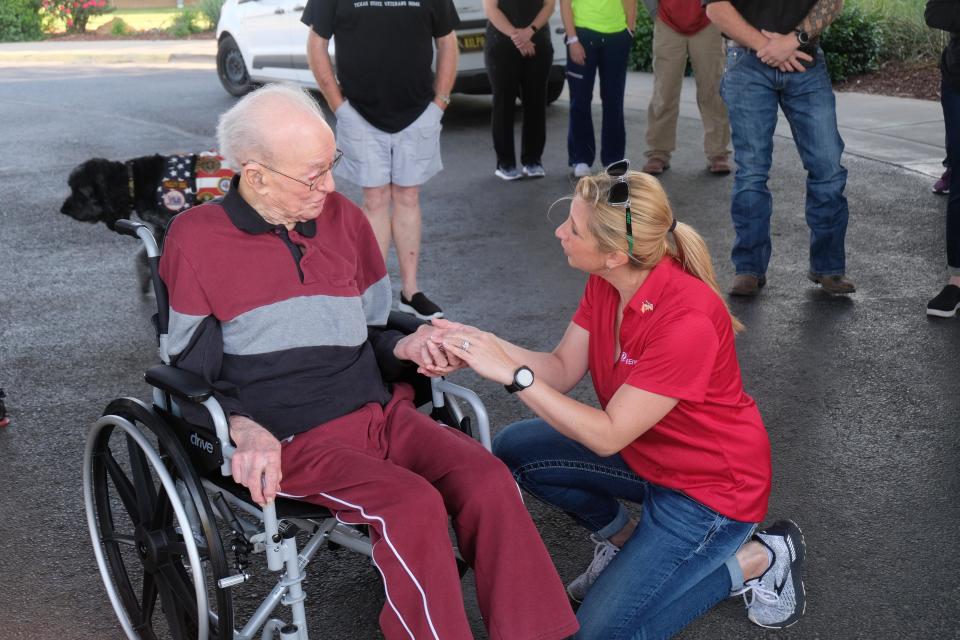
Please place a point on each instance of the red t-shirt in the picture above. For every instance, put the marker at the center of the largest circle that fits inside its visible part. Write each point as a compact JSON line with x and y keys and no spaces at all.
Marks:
{"x":683,"y":16}
{"x":677,"y":340}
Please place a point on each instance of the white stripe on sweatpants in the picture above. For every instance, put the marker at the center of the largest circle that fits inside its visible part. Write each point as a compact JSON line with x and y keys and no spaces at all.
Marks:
{"x":383,"y":524}
{"x":386,"y":588}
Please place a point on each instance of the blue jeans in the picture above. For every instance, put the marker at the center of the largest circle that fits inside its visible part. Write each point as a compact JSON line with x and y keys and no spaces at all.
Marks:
{"x":606,"y":53}
{"x":678,"y":563}
{"x":753,"y":91}
{"x":950,"y":100}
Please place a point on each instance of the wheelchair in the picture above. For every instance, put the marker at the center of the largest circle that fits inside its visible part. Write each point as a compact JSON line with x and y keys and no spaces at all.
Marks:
{"x":169,"y":526}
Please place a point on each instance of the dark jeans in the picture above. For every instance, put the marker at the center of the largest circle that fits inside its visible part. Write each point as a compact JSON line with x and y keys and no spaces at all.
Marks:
{"x":678,"y":563}
{"x":511,"y":73}
{"x":950,"y":99}
{"x":753,"y":93}
{"x":607,"y":55}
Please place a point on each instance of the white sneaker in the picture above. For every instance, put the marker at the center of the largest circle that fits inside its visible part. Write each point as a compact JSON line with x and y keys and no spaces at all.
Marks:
{"x":534,"y":170}
{"x":603,"y":554}
{"x":777,"y":599}
{"x":580,"y":170}
{"x":507,"y":173}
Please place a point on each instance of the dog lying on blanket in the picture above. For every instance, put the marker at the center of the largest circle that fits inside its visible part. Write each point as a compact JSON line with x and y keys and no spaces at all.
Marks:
{"x":154,"y":188}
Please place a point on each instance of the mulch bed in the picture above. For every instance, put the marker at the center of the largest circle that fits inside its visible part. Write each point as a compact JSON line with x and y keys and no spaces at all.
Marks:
{"x":919,"y":80}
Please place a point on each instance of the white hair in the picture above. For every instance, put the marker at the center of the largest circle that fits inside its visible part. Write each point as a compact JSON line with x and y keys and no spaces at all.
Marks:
{"x":244,"y":130}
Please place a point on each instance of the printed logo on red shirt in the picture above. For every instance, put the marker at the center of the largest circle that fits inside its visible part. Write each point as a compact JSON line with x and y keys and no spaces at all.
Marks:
{"x":627,"y":360}
{"x":646,"y":306}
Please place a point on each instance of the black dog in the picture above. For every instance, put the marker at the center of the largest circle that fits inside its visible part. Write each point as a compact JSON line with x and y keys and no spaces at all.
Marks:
{"x":154,"y":188}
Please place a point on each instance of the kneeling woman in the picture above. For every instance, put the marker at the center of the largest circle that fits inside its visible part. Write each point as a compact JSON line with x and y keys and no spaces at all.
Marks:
{"x":676,"y":433}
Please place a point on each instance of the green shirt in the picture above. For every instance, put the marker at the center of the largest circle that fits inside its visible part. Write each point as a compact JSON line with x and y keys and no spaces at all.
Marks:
{"x":604,"y":16}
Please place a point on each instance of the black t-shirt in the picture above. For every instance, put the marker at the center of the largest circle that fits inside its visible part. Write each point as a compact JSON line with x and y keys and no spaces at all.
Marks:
{"x":779,"y":16}
{"x":384,"y":53}
{"x":520,"y":13}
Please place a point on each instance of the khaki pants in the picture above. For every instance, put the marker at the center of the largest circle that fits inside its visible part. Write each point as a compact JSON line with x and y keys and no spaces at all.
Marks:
{"x":670,"y":52}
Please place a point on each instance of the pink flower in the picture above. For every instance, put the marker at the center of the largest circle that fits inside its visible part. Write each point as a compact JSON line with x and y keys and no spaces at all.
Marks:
{"x":69,"y":23}
{"x":86,"y":5}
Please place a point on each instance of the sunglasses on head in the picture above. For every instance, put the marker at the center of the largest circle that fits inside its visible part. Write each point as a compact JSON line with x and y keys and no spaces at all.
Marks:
{"x":619,"y":194}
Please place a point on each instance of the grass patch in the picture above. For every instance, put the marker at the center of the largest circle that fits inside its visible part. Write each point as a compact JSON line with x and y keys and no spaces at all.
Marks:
{"x":144,"y":19}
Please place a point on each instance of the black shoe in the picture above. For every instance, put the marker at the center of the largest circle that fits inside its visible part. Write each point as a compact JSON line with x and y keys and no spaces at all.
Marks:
{"x":419,"y":305}
{"x":946,"y":304}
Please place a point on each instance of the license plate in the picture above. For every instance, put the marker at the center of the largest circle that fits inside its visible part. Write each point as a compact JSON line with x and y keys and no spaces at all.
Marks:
{"x":471,"y":42}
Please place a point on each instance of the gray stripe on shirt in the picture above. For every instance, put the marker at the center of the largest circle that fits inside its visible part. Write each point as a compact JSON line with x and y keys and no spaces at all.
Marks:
{"x":377,"y":300}
{"x":306,"y":321}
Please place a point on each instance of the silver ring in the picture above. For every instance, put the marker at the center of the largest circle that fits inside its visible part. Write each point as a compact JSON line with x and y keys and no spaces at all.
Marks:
{"x":465,"y":345}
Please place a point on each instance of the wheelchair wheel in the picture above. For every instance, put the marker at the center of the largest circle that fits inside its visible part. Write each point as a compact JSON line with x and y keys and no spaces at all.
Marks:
{"x":152,"y":529}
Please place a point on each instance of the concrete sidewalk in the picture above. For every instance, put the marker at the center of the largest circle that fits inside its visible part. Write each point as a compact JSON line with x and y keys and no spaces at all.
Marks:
{"x":899,"y":131}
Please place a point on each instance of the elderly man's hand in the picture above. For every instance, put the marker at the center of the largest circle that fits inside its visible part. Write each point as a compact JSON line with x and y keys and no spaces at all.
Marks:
{"x":256,"y":460}
{"x":431,"y":359}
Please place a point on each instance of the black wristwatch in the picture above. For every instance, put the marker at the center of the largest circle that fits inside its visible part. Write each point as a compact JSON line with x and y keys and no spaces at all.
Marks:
{"x":522,"y":378}
{"x":802,"y":36}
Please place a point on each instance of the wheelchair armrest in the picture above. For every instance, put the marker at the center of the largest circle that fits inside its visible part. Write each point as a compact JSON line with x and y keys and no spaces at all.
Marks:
{"x":181,"y":384}
{"x":404,"y":322}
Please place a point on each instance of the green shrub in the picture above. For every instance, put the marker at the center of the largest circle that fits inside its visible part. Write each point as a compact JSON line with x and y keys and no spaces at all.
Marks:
{"x":641,"y":55}
{"x":211,"y":10}
{"x":852,"y":44}
{"x":119,"y":28}
{"x":185,"y":23}
{"x":19,"y":20}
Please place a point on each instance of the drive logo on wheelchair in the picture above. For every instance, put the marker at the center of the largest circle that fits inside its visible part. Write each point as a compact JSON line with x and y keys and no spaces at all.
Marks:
{"x":201,"y":443}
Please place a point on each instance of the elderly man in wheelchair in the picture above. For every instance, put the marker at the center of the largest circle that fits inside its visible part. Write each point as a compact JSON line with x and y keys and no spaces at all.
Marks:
{"x":286,"y":377}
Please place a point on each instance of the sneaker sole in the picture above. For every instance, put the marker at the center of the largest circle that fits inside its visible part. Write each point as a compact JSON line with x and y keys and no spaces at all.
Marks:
{"x":534,"y":175}
{"x":505,"y":177}
{"x":408,"y":309}
{"x":943,"y":314}
{"x":796,"y":573}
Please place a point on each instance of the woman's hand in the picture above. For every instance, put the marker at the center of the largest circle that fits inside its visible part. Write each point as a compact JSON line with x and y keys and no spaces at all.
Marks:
{"x":521,"y":37}
{"x":528,"y":50}
{"x":577,"y":53}
{"x":481,"y":351}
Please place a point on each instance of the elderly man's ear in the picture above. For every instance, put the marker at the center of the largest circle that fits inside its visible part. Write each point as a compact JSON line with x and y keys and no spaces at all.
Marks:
{"x":252,"y":177}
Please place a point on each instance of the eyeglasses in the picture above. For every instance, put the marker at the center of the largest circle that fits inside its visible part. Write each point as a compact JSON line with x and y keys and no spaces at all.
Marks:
{"x":619,"y":194}
{"x":309,"y":185}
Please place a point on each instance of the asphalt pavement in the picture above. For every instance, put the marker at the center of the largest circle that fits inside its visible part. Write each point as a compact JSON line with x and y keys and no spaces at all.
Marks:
{"x":859,"y":394}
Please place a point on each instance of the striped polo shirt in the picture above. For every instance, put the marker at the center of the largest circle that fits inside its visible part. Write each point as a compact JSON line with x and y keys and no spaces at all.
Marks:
{"x":278,"y":320}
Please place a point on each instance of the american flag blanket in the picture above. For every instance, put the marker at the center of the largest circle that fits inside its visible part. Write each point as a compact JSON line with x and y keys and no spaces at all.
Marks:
{"x":192,"y":179}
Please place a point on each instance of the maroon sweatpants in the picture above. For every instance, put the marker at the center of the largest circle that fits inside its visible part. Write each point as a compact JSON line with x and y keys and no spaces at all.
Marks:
{"x":397,"y":470}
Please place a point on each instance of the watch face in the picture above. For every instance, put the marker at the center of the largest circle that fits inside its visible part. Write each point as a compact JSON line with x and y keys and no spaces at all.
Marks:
{"x":524,"y":377}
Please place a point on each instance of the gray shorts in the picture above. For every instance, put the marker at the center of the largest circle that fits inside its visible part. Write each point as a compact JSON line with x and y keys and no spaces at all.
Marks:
{"x":373,"y":158}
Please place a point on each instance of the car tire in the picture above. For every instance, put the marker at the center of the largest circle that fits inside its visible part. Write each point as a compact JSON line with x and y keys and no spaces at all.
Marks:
{"x":554,"y":89}
{"x":231,"y":67}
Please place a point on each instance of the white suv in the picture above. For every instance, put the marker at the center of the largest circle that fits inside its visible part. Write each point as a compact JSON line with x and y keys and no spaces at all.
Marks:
{"x":261,"y":41}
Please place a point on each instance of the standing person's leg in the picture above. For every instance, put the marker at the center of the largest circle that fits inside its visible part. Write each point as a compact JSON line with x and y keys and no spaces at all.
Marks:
{"x":808,"y":103}
{"x":669,"y":62}
{"x":415,"y":159}
{"x":751,"y":97}
{"x":342,"y":466}
{"x":950,"y":99}
{"x":612,"y":69}
{"x":376,"y":204}
{"x":533,"y":84}
{"x":503,"y":63}
{"x":706,"y":56}
{"x":947,"y":302}
{"x":366,"y":162}
{"x":673,"y":569}
{"x":581,"y":143}
{"x":518,"y":589}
